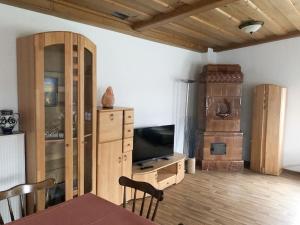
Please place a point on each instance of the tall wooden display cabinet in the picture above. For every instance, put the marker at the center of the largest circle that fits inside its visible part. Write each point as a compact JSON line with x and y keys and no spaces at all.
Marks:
{"x":57,"y":105}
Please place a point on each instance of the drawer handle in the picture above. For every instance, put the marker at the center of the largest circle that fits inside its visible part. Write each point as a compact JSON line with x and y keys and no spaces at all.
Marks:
{"x":111,"y":116}
{"x":120,"y":159}
{"x":129,"y":117}
{"x":125,"y":157}
{"x":128,"y":144}
{"x":129,"y":131}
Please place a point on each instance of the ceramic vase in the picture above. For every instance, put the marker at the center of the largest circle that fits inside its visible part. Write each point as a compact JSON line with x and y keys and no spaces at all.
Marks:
{"x":8,"y":120}
{"x":108,"y":99}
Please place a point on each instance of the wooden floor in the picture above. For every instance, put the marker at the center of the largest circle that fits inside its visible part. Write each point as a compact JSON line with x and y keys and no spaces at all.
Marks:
{"x":232,"y":198}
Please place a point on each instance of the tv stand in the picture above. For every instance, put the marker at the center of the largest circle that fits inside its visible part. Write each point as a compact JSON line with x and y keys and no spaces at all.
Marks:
{"x":162,"y":174}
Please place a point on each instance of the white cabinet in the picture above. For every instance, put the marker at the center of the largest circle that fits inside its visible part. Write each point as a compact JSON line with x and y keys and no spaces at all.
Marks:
{"x":12,"y":167}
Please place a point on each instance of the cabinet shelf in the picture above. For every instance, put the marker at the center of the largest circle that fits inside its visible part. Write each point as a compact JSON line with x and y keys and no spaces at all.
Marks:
{"x":87,"y":135}
{"x":59,"y":140}
{"x":49,"y":141}
{"x":163,"y":176}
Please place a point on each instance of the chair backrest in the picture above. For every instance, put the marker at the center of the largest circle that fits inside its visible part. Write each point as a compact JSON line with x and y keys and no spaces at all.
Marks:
{"x":147,"y":189}
{"x":22,"y":190}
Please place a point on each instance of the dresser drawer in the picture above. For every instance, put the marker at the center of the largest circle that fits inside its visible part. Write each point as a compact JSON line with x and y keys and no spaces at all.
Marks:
{"x":128,"y":116}
{"x":110,"y":126}
{"x":127,"y":144}
{"x":128,"y":131}
{"x":167,"y":182}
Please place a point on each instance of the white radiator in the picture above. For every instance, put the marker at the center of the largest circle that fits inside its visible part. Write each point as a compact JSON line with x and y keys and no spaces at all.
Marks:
{"x":12,"y":168}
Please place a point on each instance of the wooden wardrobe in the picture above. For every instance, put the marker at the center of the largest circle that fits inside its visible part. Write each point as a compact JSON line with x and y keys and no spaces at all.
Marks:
{"x":57,"y":105}
{"x":267,"y":128}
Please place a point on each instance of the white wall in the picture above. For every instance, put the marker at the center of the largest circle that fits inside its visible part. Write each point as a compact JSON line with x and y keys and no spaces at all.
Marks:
{"x":142,"y":73}
{"x":275,"y":63}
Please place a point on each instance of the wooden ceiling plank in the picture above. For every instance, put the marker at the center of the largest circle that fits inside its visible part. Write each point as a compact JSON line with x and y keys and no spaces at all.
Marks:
{"x":175,"y":38}
{"x":195,"y":34}
{"x":157,"y":6}
{"x":229,"y":25}
{"x":77,"y":13}
{"x":296,"y":4}
{"x":288,"y":9}
{"x":269,"y":39}
{"x":179,"y":13}
{"x":122,"y":5}
{"x":178,"y":34}
{"x":218,"y":28}
{"x":109,"y":7}
{"x":275,"y":14}
{"x":164,"y":4}
{"x":208,"y":30}
{"x":239,"y":12}
{"x":267,"y":19}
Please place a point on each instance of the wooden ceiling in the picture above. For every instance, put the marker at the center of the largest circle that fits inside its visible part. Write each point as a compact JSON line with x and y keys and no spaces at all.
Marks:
{"x":190,"y":24}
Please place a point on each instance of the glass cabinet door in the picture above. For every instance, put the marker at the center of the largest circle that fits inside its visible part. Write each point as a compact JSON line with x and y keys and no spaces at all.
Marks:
{"x":54,"y":89}
{"x":75,"y":118}
{"x":58,"y":105}
{"x":87,"y":149}
{"x":88,"y":120}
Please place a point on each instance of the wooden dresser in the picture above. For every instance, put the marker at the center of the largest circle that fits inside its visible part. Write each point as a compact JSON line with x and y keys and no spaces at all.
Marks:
{"x":267,"y":128}
{"x":114,"y":151}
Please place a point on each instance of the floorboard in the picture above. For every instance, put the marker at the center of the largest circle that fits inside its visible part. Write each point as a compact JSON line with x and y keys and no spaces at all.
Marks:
{"x":220,"y":198}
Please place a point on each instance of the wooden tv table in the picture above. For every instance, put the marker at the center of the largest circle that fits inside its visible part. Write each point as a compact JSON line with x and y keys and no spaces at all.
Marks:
{"x":163,"y":174}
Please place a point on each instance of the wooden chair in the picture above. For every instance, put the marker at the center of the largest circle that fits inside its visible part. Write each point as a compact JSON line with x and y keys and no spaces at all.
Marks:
{"x":147,"y":189}
{"x":22,"y":190}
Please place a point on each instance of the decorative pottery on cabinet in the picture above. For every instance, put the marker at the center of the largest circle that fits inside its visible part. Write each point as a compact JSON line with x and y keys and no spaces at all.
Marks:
{"x":108,"y":99}
{"x":8,"y":120}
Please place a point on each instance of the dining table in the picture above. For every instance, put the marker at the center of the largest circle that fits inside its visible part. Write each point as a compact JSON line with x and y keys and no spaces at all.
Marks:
{"x":87,"y":209}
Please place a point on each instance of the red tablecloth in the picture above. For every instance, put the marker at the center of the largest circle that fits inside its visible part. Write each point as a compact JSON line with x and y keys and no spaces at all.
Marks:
{"x":85,"y":210}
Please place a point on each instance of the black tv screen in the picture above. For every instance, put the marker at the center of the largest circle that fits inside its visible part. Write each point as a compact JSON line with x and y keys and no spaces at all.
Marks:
{"x":153,"y":142}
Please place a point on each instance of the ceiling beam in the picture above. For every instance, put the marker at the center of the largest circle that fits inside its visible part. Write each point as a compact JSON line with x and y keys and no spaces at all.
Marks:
{"x":179,"y":13}
{"x":70,"y":11}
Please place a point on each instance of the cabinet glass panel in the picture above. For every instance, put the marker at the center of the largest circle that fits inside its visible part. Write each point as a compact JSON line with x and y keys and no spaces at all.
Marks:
{"x":75,"y":108}
{"x":88,"y":128}
{"x":54,"y":89}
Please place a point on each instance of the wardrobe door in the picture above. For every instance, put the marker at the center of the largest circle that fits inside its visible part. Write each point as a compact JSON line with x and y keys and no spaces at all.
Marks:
{"x":274,"y":129}
{"x":55,"y":117}
{"x":258,"y":128}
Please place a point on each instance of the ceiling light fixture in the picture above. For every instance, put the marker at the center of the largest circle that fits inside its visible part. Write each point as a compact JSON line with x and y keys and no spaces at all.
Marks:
{"x":251,"y":26}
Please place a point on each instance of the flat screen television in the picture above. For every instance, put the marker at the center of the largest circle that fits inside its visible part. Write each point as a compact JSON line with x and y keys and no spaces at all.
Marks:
{"x":153,"y":143}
